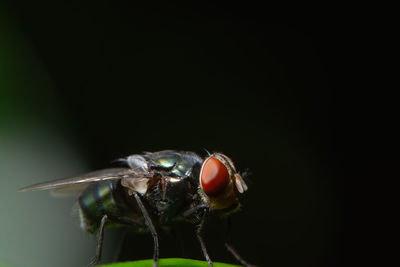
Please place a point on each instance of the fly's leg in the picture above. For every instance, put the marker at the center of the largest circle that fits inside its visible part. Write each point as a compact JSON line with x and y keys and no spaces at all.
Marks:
{"x":97,"y":258}
{"x":194,"y":210}
{"x":230,"y":247}
{"x":202,"y":244}
{"x":150,"y":226}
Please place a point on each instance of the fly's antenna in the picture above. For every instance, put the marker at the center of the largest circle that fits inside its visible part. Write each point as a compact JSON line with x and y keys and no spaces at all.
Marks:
{"x":208,"y":153}
{"x":245,"y":176}
{"x":246,"y":173}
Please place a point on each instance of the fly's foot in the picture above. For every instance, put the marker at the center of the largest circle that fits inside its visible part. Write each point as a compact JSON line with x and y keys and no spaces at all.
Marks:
{"x":237,"y":256}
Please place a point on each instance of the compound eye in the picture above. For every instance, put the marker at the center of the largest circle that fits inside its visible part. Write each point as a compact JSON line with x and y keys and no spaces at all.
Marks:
{"x":214,"y":176}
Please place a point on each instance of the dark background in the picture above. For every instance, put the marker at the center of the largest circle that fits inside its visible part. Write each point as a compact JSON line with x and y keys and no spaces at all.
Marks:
{"x":276,"y":98}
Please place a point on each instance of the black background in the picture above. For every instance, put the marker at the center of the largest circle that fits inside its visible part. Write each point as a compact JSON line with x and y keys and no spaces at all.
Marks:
{"x":277,"y":98}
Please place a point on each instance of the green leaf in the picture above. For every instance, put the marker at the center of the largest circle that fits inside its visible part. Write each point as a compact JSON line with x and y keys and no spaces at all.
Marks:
{"x":172,"y":262}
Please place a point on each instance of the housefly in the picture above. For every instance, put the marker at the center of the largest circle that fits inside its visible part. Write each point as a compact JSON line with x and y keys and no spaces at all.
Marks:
{"x":153,"y":190}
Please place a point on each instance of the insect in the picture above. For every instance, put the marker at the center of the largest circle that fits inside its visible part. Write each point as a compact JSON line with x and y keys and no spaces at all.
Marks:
{"x":155,"y":189}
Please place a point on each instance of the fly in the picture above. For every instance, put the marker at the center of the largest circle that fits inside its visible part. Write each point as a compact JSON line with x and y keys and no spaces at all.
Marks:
{"x":155,"y":189}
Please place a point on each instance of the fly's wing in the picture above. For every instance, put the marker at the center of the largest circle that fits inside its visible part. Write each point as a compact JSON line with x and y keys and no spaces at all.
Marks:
{"x":79,"y":183}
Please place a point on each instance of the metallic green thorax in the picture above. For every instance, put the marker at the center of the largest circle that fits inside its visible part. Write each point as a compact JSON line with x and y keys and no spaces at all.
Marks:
{"x":168,"y":199}
{"x":179,"y":164}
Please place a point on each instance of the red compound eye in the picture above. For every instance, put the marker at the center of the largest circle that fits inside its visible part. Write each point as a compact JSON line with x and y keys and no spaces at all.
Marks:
{"x":214,"y":176}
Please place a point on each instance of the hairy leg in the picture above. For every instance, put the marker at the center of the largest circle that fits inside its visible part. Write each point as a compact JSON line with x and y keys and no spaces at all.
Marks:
{"x":150,"y":225}
{"x":230,"y":247}
{"x":99,"y":241}
{"x":202,"y":244}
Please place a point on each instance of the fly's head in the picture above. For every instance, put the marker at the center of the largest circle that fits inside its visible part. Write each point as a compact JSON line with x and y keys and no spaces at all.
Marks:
{"x":220,"y":183}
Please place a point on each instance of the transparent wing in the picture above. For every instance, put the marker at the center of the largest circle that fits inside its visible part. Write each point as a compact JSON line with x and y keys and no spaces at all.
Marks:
{"x":69,"y":190}
{"x":79,"y":183}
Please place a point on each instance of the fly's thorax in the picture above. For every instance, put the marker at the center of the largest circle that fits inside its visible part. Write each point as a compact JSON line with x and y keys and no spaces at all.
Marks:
{"x":168,"y":196}
{"x":173,"y":163}
{"x":219,"y":183}
{"x":166,"y":180}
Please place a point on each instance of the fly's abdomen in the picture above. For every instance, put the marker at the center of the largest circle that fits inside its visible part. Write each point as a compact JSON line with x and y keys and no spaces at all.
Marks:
{"x":99,"y":199}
